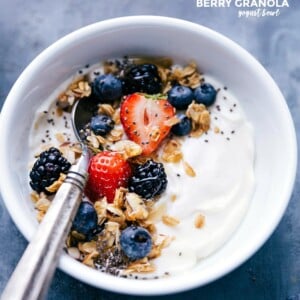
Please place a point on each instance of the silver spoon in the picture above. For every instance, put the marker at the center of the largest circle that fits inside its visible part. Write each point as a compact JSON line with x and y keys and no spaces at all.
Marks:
{"x":33,"y":274}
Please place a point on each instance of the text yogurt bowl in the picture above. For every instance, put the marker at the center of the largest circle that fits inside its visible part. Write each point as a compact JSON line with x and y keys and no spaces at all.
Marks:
{"x":262,"y":102}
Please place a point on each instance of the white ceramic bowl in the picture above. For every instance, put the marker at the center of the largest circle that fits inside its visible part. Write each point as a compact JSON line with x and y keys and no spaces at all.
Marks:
{"x":265,"y":107}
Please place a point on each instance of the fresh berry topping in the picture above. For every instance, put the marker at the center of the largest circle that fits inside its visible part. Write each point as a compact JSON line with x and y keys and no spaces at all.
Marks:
{"x":142,"y":78}
{"x":135,"y":242}
{"x":180,"y":96}
{"x":102,"y":124}
{"x":144,"y":119}
{"x":184,"y":127}
{"x":86,"y":219}
{"x":205,"y":94}
{"x":47,"y":169}
{"x":107,"y":171}
{"x":149,"y":180}
{"x":107,"y":88}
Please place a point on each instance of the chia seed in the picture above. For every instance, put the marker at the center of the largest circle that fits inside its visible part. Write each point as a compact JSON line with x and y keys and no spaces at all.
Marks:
{"x":111,"y":261}
{"x":51,"y":121}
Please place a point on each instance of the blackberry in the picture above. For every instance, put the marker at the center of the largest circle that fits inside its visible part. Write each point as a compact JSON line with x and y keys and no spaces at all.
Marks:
{"x":142,"y":78}
{"x":149,"y":180}
{"x":47,"y":169}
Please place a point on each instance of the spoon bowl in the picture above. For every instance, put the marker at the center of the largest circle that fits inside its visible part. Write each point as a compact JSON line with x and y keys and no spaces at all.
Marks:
{"x":82,"y":112}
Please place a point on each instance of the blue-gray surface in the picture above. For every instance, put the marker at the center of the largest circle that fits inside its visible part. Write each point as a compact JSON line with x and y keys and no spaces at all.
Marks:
{"x":27,"y":27}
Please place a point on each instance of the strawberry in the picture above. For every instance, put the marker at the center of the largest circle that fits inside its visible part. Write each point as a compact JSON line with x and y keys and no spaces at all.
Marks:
{"x":144,"y":119}
{"x":107,"y":171}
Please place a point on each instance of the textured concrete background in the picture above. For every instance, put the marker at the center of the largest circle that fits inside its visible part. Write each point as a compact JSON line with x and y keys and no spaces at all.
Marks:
{"x":27,"y":27}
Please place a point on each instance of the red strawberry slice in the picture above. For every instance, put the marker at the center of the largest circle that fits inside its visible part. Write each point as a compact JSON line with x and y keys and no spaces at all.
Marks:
{"x":144,"y":119}
{"x":107,"y":172}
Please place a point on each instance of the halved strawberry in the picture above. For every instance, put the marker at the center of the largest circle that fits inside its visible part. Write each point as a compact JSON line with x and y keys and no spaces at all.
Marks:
{"x":108,"y":171}
{"x":145,"y":120}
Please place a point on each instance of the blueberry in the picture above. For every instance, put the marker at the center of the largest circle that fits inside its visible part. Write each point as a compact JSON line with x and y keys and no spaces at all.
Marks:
{"x":107,"y":87}
{"x":180,"y":96}
{"x":102,"y":124}
{"x":205,"y":94}
{"x":92,"y":235}
{"x":184,"y":127}
{"x":86,"y":219}
{"x":135,"y":242}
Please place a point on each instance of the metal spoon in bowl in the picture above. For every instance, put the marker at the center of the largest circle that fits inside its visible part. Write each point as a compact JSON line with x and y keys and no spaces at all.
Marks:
{"x":33,"y":274}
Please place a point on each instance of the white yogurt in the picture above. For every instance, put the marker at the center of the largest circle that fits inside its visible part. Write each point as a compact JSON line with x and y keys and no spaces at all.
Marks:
{"x":47,"y":125}
{"x":220,"y":191}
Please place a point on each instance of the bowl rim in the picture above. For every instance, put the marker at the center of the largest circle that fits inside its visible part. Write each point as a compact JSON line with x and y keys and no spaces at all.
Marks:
{"x":165,"y":285}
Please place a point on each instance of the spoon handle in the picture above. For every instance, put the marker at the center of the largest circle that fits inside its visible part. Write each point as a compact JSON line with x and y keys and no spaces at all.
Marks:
{"x":34,"y":272}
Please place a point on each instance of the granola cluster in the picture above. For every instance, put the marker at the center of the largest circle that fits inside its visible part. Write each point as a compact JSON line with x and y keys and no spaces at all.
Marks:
{"x":75,"y":91}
